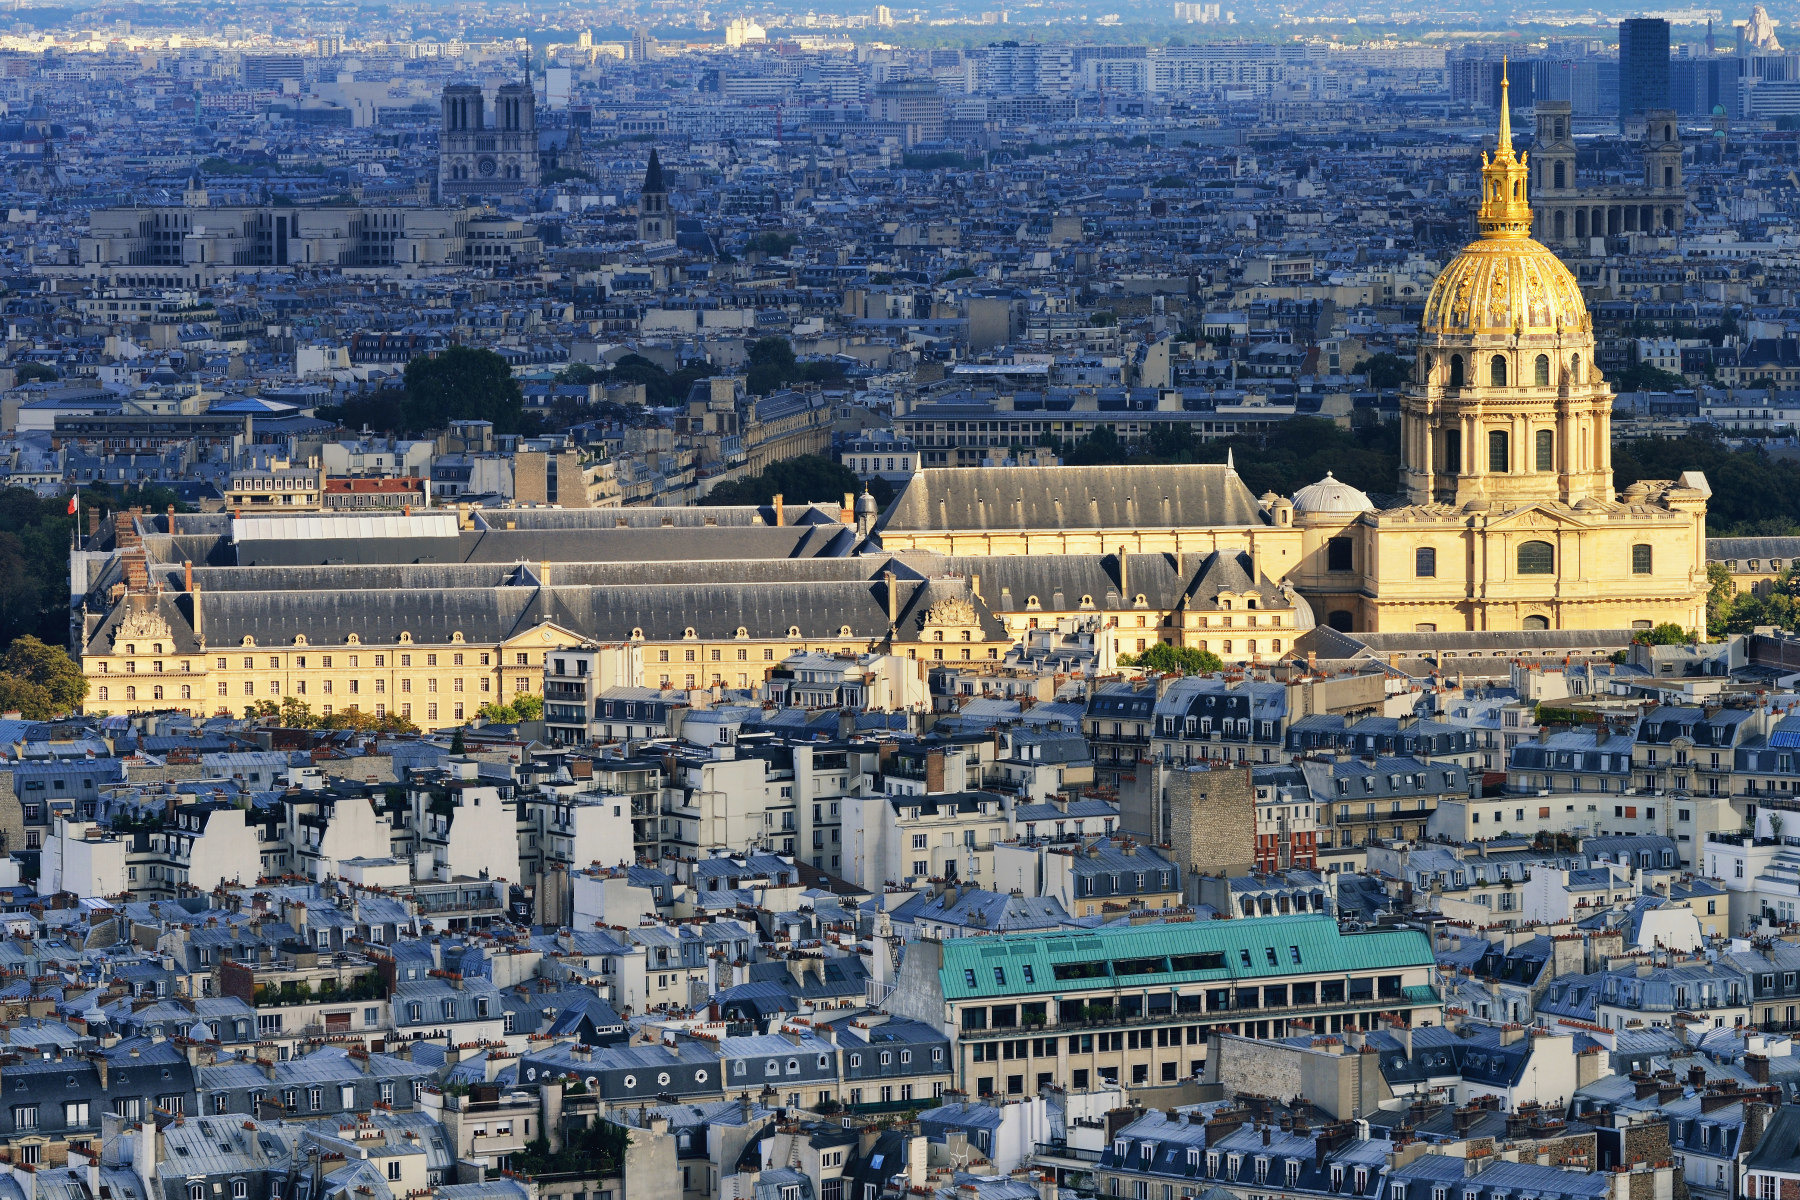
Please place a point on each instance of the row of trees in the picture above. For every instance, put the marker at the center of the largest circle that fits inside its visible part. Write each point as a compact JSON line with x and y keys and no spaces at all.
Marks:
{"x":1293,"y":454}
{"x":1175,"y":660}
{"x":294,"y":713}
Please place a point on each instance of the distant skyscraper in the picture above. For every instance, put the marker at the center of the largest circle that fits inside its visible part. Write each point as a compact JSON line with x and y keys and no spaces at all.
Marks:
{"x":1643,"y":68}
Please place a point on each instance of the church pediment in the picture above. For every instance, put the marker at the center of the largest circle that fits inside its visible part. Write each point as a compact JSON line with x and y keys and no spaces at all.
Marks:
{"x":1538,"y":518}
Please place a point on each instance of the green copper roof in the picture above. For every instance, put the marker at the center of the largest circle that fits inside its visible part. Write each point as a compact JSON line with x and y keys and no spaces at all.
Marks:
{"x":1168,"y":954}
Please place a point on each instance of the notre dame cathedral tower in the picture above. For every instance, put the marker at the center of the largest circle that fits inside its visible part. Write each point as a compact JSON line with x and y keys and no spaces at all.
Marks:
{"x":483,"y":156}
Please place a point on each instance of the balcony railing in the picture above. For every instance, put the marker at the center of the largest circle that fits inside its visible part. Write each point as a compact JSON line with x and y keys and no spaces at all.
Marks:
{"x":1211,"y":1016}
{"x":1405,"y":814}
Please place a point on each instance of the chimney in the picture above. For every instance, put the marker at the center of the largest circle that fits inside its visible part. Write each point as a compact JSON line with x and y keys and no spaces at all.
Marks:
{"x":1124,"y":581}
{"x":543,"y":574}
{"x":187,"y":574}
{"x":893,"y":597}
{"x":1757,"y":1067}
{"x":776,"y":505}
{"x":847,"y":514}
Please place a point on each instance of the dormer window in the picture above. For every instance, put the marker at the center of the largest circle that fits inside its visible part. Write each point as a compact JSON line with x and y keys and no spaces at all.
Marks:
{"x":1212,"y":1164}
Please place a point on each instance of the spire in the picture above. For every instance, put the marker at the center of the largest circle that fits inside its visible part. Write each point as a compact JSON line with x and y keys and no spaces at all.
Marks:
{"x":1504,"y":151}
{"x":653,"y":175}
{"x":1505,"y":210}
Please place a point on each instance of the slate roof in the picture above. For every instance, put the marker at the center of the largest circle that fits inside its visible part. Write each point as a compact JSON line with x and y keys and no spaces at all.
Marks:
{"x":1049,"y":498}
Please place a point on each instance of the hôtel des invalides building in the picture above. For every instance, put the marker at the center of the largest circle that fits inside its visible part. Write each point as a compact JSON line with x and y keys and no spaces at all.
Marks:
{"x":1510,"y":523}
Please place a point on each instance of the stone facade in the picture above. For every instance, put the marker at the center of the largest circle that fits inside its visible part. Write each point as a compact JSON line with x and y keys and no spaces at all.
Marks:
{"x":1212,"y":821}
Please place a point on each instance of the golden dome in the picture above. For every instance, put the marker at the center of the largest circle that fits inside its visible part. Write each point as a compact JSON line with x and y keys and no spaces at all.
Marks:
{"x":1505,"y":282}
{"x":1505,"y":285}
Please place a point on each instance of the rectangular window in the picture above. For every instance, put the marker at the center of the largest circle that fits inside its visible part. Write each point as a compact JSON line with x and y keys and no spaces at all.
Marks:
{"x":1338,"y":554}
{"x":1641,"y":559}
{"x":1498,"y":460}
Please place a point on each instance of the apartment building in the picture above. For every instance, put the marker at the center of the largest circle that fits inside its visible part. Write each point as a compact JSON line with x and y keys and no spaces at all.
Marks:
{"x":1135,"y":1005}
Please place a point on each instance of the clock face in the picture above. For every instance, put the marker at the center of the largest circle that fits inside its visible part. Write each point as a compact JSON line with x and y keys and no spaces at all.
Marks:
{"x":486,"y":166}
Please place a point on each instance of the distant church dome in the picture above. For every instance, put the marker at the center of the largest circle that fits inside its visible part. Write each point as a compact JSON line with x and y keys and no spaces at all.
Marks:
{"x":1331,"y":495}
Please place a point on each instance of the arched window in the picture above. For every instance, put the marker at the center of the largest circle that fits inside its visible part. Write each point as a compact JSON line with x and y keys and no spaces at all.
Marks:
{"x":1425,"y":562}
{"x":1641,"y":559}
{"x":102,"y":693}
{"x":1544,"y":449}
{"x":1497,"y":370}
{"x":196,"y":1191}
{"x":131,"y":693}
{"x":1557,"y":172}
{"x":1537,"y":558}
{"x":1541,"y":371}
{"x":1499,"y":456}
{"x":187,"y":693}
{"x":156,"y":692}
{"x":1456,"y":370}
{"x":1537,"y":622}
{"x":1341,"y":620}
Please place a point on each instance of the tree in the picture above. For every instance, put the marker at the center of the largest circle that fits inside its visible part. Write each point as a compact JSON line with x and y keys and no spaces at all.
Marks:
{"x":30,"y":700}
{"x":579,"y":373}
{"x":772,"y":366}
{"x":1666,"y":634}
{"x":806,"y":478}
{"x":47,"y":667}
{"x":1174,"y":660}
{"x":457,"y":744}
{"x":297,"y":713}
{"x":1099,"y":448}
{"x":362,"y":722}
{"x":524,"y":707}
{"x":1643,"y":377}
{"x":462,"y":384}
{"x":32,"y":372}
{"x":1386,"y":370}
